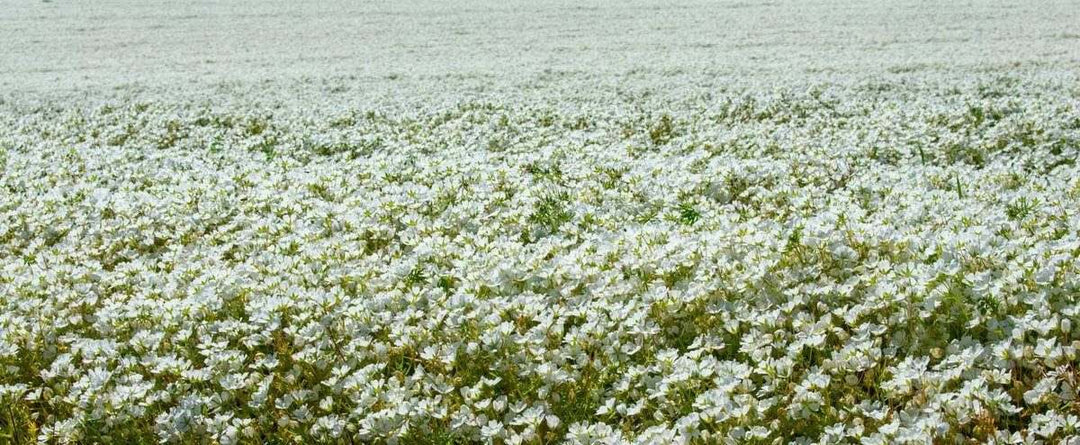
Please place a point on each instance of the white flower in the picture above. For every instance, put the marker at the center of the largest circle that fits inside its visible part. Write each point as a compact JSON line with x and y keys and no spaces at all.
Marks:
{"x":879,"y":252}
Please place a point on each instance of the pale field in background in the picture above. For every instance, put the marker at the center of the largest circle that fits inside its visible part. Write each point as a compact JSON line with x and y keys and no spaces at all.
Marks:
{"x":63,"y":44}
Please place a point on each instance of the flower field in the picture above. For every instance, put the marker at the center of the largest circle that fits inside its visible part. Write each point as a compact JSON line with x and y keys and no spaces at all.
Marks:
{"x":670,"y":255}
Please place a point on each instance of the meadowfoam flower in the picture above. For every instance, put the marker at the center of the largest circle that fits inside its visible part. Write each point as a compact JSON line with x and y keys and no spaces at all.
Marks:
{"x":819,"y":257}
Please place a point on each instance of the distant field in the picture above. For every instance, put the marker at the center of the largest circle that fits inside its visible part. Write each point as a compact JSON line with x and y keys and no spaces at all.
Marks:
{"x":114,"y":42}
{"x":504,"y":222}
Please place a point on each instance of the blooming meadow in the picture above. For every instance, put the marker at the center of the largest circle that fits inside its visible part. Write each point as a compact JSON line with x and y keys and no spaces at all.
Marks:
{"x":812,"y":239}
{"x":863,"y":262}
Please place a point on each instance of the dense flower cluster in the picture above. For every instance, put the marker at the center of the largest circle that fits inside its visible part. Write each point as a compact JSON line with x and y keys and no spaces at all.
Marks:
{"x":871,"y":261}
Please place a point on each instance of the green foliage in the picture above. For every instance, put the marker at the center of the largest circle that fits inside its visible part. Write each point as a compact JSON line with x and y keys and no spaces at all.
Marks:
{"x":1021,"y":208}
{"x":688,"y":215}
{"x":552,"y":211}
{"x":662,"y":131}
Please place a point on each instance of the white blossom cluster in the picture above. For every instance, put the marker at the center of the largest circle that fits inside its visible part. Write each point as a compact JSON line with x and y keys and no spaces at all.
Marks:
{"x":883,"y":260}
